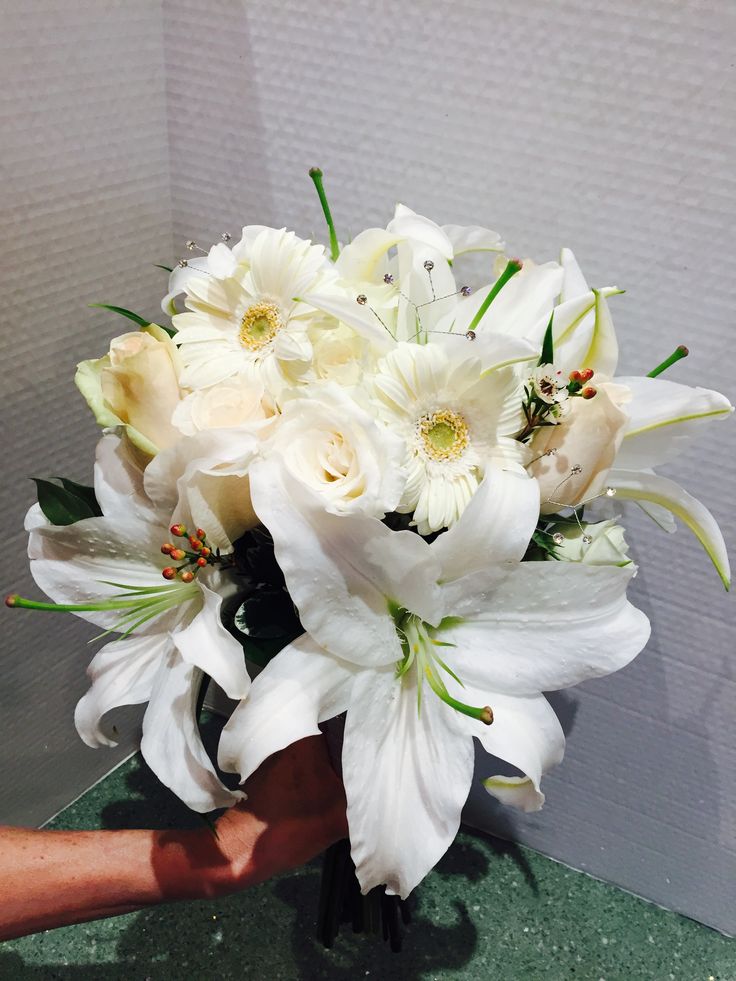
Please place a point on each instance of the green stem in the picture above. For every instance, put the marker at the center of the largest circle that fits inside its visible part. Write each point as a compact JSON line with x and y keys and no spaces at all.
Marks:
{"x":677,"y":355}
{"x":316,"y":174}
{"x":512,"y":268}
{"x":25,"y":604}
{"x":484,"y":714}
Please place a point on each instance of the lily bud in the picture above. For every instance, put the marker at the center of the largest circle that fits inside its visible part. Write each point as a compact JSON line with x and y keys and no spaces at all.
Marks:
{"x":178,"y":554}
{"x":179,"y":531}
{"x":187,"y":576}
{"x":167,"y":548}
{"x":169,"y":572}
{"x":589,"y":392}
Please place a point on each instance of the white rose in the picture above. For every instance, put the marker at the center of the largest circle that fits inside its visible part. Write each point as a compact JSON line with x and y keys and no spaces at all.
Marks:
{"x":571,"y":460}
{"x":136,"y":385}
{"x":339,"y":355}
{"x":606,"y":547}
{"x":337,"y":449}
{"x":232,"y":403}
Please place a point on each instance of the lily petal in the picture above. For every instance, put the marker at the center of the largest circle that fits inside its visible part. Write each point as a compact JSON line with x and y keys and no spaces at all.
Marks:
{"x":518,"y":792}
{"x":122,"y":673}
{"x":119,"y":481}
{"x":472,"y":238}
{"x":362,"y":259}
{"x":641,"y":486}
{"x":75,"y":564}
{"x":202,"y":480}
{"x":407,"y":774}
{"x":408,"y":225}
{"x":171,"y":743}
{"x":525,"y":733}
{"x":363,"y":321}
{"x":301,"y":687}
{"x":495,"y":528}
{"x":663,"y":415}
{"x":206,"y":644}
{"x":548,"y":625}
{"x":341,"y":570}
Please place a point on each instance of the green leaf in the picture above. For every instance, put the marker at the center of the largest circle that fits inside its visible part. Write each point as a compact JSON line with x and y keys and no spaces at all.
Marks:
{"x":159,"y":266}
{"x":87,"y":494}
{"x":142,"y":322}
{"x":548,"y":348}
{"x":60,"y":505}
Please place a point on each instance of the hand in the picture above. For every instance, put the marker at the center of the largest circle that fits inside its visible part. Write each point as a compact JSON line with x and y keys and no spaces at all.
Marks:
{"x":295,"y":810}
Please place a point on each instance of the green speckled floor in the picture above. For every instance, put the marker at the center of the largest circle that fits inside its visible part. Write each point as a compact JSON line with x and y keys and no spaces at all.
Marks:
{"x":489,"y":911}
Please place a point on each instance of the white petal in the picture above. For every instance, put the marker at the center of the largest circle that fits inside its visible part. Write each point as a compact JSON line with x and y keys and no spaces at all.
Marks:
{"x":495,"y":528}
{"x":202,"y":481}
{"x":641,"y":486}
{"x":662,"y":417}
{"x":493,"y":350}
{"x":122,"y":673}
{"x":74,"y":564}
{"x":342,"y":571}
{"x":406,"y":224}
{"x":206,"y":644}
{"x":362,"y":259}
{"x":407,"y":775}
{"x":171,"y":743}
{"x":574,"y":328}
{"x":350,"y":312}
{"x":524,"y":305}
{"x":573,"y":284}
{"x":546,"y":626}
{"x":472,"y":238}
{"x":221,"y":261}
{"x":525,"y":733}
{"x":301,"y":687}
{"x":178,"y":279}
{"x":602,"y":355}
{"x":518,"y":792}
{"x":119,"y":482}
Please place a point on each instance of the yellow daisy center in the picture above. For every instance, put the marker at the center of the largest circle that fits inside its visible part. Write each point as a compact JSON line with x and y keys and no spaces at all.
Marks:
{"x":260,"y":324}
{"x":444,"y":434}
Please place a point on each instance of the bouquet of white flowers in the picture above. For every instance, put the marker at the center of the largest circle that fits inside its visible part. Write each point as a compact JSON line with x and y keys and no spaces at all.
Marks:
{"x":378,"y":492}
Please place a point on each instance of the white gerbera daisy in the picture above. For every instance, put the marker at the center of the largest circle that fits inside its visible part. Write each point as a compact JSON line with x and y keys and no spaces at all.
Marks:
{"x":251,"y":321}
{"x":455,"y":416}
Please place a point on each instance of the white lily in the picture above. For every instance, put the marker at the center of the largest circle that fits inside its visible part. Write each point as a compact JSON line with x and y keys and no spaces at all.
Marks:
{"x":421,"y":644}
{"x":663,"y":415}
{"x":108,"y":570}
{"x":402,"y":298}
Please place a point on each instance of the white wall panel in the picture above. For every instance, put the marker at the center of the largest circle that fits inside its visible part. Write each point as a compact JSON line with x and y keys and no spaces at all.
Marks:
{"x":84,"y":212}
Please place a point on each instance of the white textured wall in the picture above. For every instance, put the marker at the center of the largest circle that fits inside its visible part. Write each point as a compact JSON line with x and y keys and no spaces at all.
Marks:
{"x":608,"y":127}
{"x":84,"y":212}
{"x":605,"y":126}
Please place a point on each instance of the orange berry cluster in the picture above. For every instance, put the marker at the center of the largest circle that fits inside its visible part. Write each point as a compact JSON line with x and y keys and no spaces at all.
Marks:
{"x":579,"y":383}
{"x":198,"y":555}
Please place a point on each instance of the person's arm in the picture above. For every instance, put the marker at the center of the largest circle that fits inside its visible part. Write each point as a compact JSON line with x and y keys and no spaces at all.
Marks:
{"x":295,"y":810}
